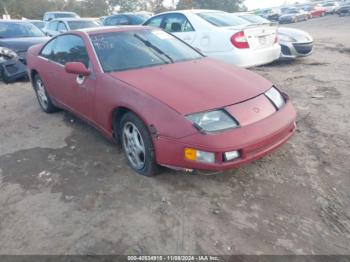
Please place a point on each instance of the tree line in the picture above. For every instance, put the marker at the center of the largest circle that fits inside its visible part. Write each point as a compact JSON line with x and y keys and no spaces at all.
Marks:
{"x":34,"y":9}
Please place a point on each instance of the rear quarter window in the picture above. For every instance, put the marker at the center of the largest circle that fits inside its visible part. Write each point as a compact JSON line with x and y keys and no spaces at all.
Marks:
{"x":155,"y":22}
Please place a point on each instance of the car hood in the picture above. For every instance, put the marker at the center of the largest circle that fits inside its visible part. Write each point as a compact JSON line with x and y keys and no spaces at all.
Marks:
{"x":299,"y":35}
{"x":21,"y":44}
{"x":197,"y":85}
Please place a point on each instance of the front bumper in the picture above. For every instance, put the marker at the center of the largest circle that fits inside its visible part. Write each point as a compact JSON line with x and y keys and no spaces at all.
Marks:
{"x":249,"y":57}
{"x":253,"y":142}
{"x":291,"y":50}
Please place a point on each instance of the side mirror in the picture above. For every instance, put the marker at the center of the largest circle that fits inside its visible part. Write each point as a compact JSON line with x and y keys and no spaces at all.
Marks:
{"x":77,"y":68}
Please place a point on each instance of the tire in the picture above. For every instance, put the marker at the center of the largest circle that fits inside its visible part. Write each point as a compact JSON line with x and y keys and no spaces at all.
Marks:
{"x":43,"y":97}
{"x":137,"y":145}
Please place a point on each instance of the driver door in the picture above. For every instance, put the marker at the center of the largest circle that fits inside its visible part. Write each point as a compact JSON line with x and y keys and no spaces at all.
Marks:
{"x":76,"y":92}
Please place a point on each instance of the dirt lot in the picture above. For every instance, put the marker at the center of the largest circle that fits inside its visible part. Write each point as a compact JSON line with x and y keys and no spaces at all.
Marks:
{"x":65,"y":189}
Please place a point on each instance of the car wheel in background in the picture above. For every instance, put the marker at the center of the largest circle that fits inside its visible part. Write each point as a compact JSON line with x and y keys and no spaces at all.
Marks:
{"x":42,"y":95}
{"x":137,"y":145}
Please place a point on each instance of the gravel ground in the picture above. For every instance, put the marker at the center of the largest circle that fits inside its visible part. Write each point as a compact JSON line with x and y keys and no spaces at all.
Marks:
{"x":65,"y":189}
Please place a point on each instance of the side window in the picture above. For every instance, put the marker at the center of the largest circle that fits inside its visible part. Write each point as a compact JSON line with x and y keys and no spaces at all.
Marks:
{"x":53,"y":26}
{"x":70,"y":48}
{"x":47,"y":51}
{"x":155,"y":22}
{"x":61,"y":27}
{"x":176,"y":23}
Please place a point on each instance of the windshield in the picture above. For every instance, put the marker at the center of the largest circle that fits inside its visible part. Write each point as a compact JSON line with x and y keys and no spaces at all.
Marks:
{"x":119,"y":51}
{"x":222,"y":19}
{"x":79,"y":24}
{"x":254,"y":19}
{"x":12,"y":30}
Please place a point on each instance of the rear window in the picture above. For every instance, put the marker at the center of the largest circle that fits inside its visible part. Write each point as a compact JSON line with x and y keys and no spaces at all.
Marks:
{"x":254,"y":19}
{"x":73,"y":25}
{"x":222,"y":19}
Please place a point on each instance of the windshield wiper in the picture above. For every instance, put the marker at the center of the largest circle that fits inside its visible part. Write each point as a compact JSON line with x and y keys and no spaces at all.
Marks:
{"x":155,"y":48}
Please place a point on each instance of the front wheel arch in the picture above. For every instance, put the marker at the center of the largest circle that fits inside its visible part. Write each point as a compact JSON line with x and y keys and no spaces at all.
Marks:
{"x":33,"y":73}
{"x":117,"y":115}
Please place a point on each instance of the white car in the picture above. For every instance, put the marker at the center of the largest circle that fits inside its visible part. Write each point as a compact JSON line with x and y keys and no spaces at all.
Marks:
{"x":222,"y":36}
{"x":48,"y":16}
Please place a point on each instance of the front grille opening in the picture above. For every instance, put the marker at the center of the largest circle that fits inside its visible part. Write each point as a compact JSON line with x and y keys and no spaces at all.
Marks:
{"x":285,"y":50}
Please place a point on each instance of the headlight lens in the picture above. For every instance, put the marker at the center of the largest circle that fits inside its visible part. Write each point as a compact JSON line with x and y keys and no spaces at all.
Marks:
{"x":213,"y":121}
{"x":275,"y":97}
{"x":285,"y":38}
{"x":4,"y":51}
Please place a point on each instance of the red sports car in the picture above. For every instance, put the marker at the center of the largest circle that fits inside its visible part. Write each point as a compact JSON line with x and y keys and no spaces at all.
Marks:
{"x":167,"y":103}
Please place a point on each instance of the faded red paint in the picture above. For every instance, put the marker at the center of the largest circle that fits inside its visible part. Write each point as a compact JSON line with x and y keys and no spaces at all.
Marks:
{"x":161,"y":96}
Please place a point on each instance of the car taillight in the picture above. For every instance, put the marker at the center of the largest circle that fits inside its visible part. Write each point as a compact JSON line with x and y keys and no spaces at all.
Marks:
{"x":239,"y":40}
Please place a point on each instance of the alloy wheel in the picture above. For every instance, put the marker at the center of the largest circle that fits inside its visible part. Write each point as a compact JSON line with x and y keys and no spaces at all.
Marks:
{"x":40,"y":89}
{"x":134,"y":146}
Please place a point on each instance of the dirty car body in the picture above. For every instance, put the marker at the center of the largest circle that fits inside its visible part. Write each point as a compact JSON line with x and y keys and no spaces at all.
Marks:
{"x":185,"y":111}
